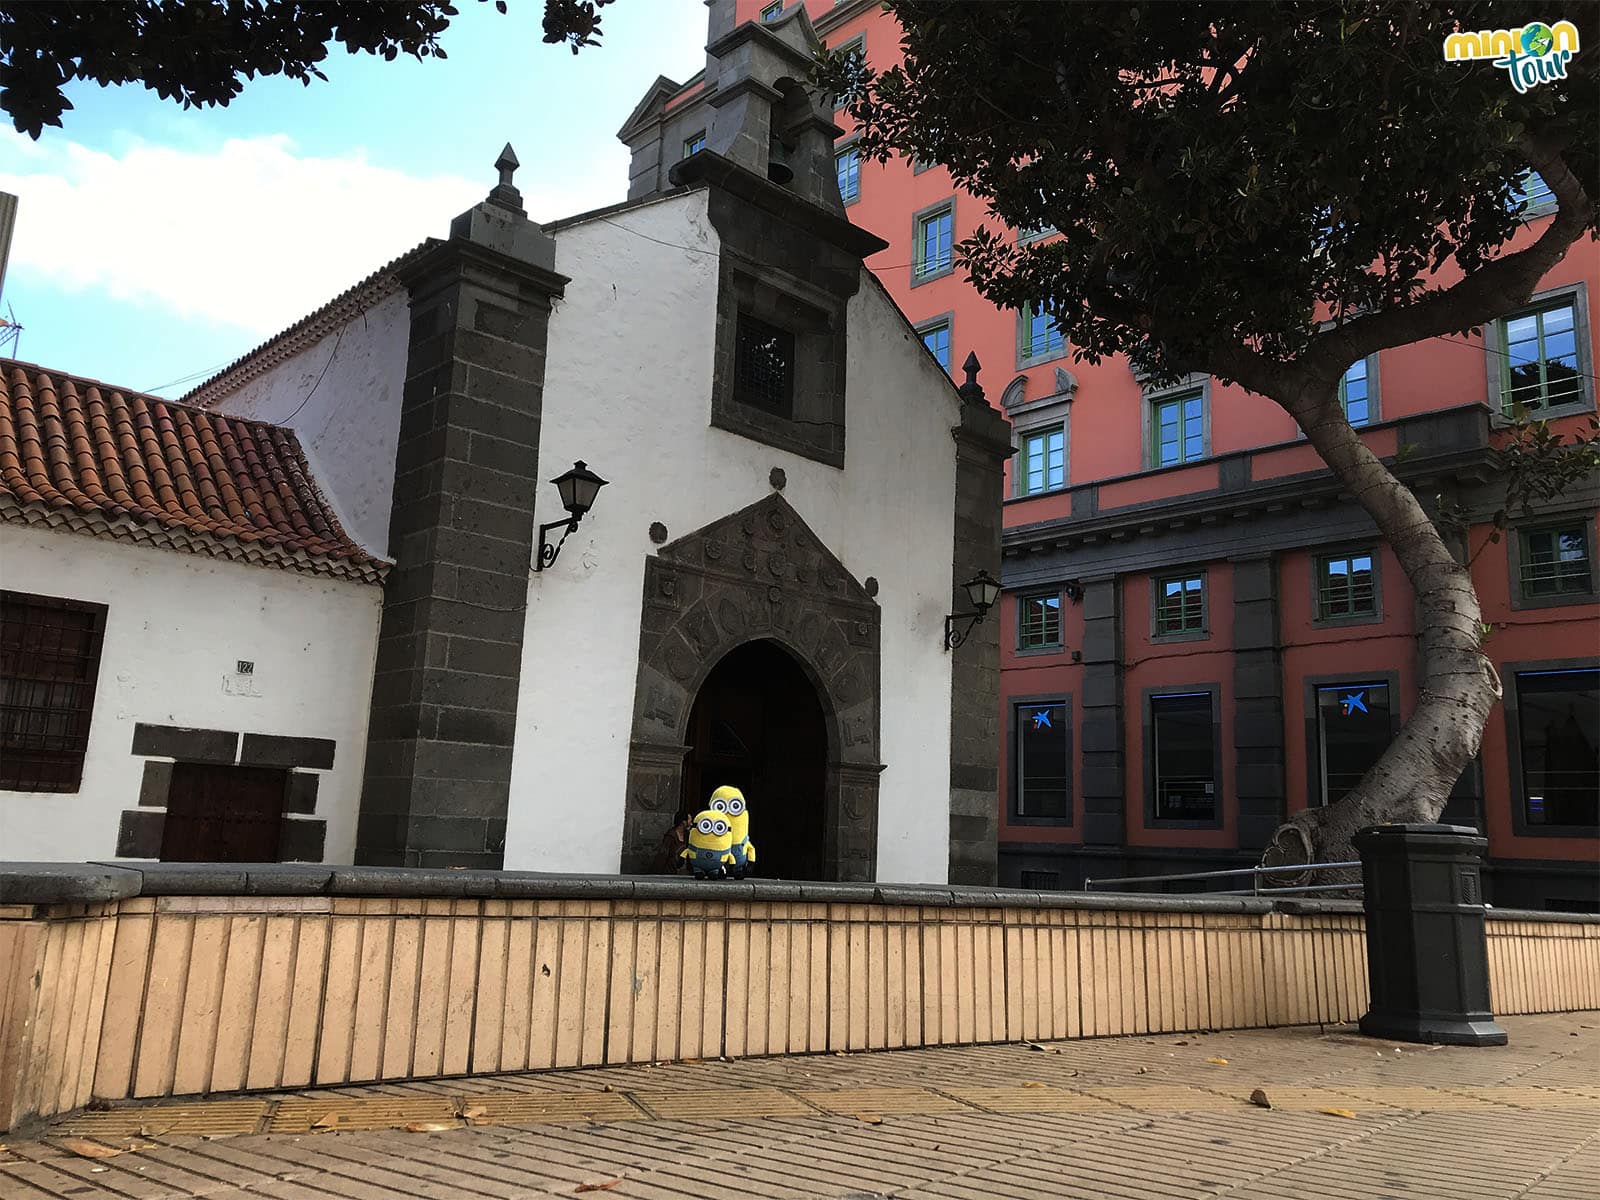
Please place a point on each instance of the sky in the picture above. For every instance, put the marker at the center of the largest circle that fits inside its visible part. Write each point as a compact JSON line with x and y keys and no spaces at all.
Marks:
{"x":156,"y":244}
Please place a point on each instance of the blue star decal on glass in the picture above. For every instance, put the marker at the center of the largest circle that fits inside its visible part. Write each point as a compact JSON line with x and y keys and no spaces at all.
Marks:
{"x":1041,"y":719}
{"x":1353,"y":702}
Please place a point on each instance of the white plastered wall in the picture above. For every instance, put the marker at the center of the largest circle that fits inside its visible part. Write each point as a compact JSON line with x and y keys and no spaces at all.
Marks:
{"x":628,"y":390}
{"x":176,"y":624}
{"x":341,"y":395}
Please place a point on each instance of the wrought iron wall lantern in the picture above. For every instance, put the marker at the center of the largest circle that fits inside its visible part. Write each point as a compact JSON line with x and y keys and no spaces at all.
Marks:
{"x":982,"y":591}
{"x":577,"y":489}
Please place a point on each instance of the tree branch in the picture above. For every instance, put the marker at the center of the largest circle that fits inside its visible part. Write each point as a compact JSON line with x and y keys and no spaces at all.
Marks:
{"x":1481,"y":296}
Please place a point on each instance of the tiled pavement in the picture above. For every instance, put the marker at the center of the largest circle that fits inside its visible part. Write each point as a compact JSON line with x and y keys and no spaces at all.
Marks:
{"x":1126,"y":1119}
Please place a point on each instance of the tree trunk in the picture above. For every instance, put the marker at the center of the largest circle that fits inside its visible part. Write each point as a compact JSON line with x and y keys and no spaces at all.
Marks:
{"x":1457,"y":686}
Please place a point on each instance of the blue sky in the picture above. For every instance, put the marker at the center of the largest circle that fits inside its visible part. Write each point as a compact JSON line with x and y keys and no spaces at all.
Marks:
{"x":155,"y":244}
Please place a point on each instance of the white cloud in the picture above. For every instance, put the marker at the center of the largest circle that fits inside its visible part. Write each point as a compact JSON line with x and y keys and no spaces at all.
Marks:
{"x":248,"y":234}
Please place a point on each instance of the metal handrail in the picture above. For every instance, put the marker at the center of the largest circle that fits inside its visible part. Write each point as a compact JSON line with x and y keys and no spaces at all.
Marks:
{"x":1255,"y":874}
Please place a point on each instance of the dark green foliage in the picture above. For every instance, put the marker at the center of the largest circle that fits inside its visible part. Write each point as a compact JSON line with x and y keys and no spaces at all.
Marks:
{"x":201,"y":52}
{"x":1226,"y":173}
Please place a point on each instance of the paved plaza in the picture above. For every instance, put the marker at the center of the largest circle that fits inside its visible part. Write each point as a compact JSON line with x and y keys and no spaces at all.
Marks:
{"x":1135,"y":1118}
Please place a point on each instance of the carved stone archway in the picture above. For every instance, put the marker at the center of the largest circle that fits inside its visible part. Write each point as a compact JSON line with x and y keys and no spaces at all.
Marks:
{"x":758,"y":573}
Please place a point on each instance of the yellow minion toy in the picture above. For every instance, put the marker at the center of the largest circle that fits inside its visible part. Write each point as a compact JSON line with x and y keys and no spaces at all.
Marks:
{"x":731,"y":803}
{"x":709,"y":850}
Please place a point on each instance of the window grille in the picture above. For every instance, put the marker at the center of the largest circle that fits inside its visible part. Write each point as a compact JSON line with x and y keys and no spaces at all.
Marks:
{"x":49,"y":661}
{"x":763,"y":369}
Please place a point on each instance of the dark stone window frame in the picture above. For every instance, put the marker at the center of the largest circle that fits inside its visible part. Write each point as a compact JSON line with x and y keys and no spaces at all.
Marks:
{"x":1549,"y":522}
{"x":1157,"y":578}
{"x":1311,"y":685}
{"x":918,"y":277}
{"x":1148,"y":754}
{"x":815,"y":429}
{"x":1014,"y":759}
{"x":1512,"y":703}
{"x":1056,"y":647}
{"x":81,"y":710}
{"x":1319,"y":555}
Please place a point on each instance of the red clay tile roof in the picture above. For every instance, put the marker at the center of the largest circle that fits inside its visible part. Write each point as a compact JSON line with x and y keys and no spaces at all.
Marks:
{"x":97,"y":459}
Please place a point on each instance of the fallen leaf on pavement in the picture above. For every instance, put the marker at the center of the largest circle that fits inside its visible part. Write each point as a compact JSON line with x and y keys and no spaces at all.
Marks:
{"x":1221,"y":1062}
{"x":1338,"y":1112}
{"x":430,"y":1126}
{"x":1046,"y":1049}
{"x":1033,"y":1083}
{"x":869,"y":1118}
{"x":327,"y":1121}
{"x":87,"y":1149}
{"x":475,"y":1114}
{"x":598,"y":1187}
{"x":146,"y":1131}
{"x":1259,"y":1099}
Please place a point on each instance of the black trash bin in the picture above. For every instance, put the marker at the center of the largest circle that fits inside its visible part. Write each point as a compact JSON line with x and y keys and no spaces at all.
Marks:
{"x":1427,"y":956}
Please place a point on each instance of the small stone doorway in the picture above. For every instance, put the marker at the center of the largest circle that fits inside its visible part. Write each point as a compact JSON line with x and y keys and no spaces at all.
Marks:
{"x":758,"y":725}
{"x":223,"y":814}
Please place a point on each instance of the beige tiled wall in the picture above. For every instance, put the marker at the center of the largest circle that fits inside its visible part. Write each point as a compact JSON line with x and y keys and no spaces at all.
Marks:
{"x":189,"y":994}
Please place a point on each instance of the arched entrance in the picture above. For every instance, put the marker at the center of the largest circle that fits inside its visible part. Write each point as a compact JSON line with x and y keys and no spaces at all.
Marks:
{"x":758,"y":725}
{"x":759,"y":575}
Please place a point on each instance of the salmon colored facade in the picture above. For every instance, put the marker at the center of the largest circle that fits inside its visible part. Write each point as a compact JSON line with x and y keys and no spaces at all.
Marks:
{"x":1252,"y":512}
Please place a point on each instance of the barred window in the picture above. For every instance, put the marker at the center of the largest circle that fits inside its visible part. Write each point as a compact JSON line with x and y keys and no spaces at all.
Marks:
{"x":1555,"y":562}
{"x":763,"y":369}
{"x":49,"y":661}
{"x":1539,"y":366}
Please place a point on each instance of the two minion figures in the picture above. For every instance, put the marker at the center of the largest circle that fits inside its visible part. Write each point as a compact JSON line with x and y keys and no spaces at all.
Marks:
{"x":719,"y":838}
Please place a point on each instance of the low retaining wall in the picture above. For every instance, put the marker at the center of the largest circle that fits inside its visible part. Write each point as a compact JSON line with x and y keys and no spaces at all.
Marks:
{"x":118,"y":983}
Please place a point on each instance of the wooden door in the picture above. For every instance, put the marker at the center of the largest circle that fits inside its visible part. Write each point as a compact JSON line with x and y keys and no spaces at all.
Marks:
{"x":223,"y":814}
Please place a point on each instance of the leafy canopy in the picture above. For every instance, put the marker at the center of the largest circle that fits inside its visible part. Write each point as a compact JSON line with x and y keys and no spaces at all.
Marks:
{"x":1224,"y":172}
{"x":201,"y":52}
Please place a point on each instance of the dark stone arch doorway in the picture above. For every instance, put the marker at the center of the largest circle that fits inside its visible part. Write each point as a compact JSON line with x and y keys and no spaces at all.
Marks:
{"x":759,"y":574}
{"x":758,"y":725}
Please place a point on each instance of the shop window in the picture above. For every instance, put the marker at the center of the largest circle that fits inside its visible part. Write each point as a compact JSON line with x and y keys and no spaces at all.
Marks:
{"x":1183,"y":757}
{"x":1558,"y":743}
{"x":1042,"y":766}
{"x":1355,"y":724}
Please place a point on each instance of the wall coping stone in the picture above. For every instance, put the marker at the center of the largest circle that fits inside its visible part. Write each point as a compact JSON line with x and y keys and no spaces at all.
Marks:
{"x":99,"y":883}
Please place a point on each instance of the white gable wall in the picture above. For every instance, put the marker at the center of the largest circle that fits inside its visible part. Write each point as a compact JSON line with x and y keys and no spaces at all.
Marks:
{"x":628,"y":390}
{"x":341,"y":396}
{"x":176,"y":624}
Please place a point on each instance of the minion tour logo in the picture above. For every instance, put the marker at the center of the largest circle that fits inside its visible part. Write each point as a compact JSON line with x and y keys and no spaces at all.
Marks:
{"x":1534,"y":54}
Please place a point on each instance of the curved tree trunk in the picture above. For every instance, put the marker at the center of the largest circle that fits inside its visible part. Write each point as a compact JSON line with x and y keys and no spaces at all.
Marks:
{"x":1456,"y":687}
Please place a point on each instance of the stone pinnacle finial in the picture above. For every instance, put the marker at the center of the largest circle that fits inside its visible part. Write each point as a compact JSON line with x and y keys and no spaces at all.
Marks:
{"x":971,"y":391}
{"x":505,"y":193}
